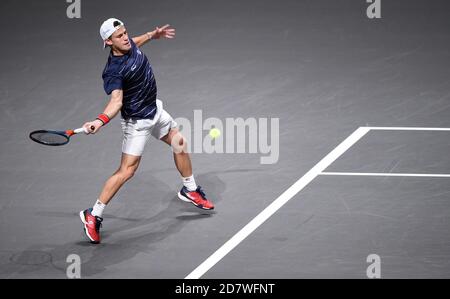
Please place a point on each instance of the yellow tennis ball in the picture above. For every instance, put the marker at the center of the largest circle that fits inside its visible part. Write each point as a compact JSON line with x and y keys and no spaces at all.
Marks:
{"x":214,"y":133}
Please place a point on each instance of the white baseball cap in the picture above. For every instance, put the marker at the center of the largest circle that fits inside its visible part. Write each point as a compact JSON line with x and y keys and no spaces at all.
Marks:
{"x":108,"y":27}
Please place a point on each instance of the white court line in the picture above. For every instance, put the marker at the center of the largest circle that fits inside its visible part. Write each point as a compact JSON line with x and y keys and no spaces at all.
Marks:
{"x":407,"y":129}
{"x":277,"y":203}
{"x":388,"y":174}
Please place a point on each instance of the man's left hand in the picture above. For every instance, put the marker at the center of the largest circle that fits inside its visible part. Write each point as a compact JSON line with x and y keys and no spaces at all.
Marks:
{"x":164,"y":31}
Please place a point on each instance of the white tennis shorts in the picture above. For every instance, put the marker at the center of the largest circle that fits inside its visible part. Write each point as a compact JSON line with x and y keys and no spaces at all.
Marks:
{"x":137,"y":131}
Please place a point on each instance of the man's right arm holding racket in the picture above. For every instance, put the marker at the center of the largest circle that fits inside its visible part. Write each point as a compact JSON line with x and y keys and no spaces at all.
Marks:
{"x":111,"y":110}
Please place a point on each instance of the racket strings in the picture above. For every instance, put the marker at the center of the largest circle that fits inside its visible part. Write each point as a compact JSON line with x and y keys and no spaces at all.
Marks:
{"x":49,"y":138}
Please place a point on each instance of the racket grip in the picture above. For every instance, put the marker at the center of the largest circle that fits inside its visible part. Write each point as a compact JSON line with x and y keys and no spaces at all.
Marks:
{"x":82,"y":130}
{"x":79,"y":130}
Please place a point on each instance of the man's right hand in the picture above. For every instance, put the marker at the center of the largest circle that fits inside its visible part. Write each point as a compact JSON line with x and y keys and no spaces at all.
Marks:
{"x":96,"y":124}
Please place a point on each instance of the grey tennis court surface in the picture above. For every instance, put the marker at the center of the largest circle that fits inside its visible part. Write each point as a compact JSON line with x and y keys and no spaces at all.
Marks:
{"x":359,"y":172}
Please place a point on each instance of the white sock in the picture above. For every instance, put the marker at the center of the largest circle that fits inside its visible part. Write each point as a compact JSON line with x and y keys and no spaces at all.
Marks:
{"x":189,"y":183}
{"x":98,"y":208}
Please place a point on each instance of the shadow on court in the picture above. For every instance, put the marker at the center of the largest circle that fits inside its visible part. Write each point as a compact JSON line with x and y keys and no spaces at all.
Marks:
{"x":123,"y":237}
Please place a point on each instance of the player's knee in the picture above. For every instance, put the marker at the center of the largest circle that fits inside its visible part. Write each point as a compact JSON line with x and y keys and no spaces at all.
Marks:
{"x":130,"y":173}
{"x":178,"y":143}
{"x":181,"y":141}
{"x":127,"y":173}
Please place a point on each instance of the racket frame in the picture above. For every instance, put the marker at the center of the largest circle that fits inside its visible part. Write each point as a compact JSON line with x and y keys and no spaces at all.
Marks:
{"x":67,"y":134}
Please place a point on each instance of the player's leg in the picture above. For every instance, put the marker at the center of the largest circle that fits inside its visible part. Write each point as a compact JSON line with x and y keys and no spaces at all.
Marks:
{"x":190,"y":191}
{"x":135,"y":138}
{"x":180,"y":156}
{"x":92,"y":218}
{"x":128,"y":166}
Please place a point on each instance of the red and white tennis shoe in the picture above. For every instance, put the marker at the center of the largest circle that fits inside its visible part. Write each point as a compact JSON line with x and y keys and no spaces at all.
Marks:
{"x":92,"y":225}
{"x":197,"y":198}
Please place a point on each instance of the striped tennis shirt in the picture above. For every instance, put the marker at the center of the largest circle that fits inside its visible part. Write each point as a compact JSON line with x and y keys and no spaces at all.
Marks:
{"x":133,"y":74}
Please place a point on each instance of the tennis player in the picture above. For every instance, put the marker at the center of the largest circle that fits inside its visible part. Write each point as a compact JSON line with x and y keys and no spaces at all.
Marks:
{"x":128,"y":77}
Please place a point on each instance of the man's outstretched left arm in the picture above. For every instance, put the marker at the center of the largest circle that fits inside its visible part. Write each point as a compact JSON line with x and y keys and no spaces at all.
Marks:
{"x":165,"y":32}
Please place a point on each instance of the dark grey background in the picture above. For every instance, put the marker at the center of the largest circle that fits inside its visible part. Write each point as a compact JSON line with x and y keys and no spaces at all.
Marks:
{"x":322,"y":67}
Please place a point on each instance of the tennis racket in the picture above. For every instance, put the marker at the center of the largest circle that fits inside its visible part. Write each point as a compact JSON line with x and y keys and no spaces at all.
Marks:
{"x":55,"y":138}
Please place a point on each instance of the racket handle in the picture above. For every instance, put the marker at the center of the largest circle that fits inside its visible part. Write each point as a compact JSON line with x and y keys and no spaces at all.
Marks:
{"x":79,"y":130}
{"x":82,"y":130}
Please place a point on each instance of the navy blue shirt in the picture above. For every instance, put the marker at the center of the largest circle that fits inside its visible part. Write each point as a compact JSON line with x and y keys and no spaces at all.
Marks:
{"x":133,"y":74}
